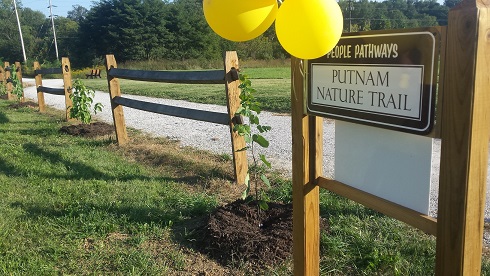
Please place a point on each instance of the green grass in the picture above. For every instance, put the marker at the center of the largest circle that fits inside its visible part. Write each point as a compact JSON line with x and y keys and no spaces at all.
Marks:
{"x":81,"y":206}
{"x":71,"y":206}
{"x":273,"y":87}
{"x":268,"y":72}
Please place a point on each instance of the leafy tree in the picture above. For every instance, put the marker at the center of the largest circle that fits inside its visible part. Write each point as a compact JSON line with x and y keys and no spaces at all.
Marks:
{"x":451,"y":3}
{"x":393,"y":14}
{"x":130,"y":29}
{"x":10,"y":47}
{"x":67,"y":36}
{"x":191,"y":37}
{"x":78,"y":13}
{"x":32,"y":23}
{"x":258,"y":48}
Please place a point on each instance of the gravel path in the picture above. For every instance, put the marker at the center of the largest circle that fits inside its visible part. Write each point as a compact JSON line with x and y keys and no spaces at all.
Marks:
{"x":215,"y":138}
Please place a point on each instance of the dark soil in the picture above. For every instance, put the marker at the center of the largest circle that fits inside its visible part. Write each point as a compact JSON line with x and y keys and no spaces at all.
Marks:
{"x":18,"y":105}
{"x":237,"y":232}
{"x":89,"y":130}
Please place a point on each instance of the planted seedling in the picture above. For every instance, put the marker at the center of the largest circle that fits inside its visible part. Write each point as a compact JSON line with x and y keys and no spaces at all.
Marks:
{"x":252,"y":131}
{"x":17,"y":89}
{"x":83,"y":98}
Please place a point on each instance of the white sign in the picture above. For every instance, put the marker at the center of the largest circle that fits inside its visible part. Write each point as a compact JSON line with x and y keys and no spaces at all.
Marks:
{"x":390,"y":164}
{"x":388,"y":90}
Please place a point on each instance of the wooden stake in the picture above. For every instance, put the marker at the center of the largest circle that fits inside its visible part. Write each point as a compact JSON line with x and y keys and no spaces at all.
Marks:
{"x":40,"y":95}
{"x":233,"y":103}
{"x":117,"y":110}
{"x":7,"y":83}
{"x":2,"y":76}
{"x":307,"y":154}
{"x":66,"y":68}
{"x":464,"y":141}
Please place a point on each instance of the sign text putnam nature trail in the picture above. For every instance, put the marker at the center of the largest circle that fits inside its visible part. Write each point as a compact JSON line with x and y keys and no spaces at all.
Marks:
{"x":381,"y":79}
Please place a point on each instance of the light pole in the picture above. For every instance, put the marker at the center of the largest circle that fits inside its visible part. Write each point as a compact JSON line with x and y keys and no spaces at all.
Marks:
{"x":20,"y":31}
{"x":54,"y":32}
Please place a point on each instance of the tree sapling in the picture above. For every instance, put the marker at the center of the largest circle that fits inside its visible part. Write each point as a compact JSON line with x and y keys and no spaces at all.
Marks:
{"x":252,"y":132}
{"x":82,"y":98}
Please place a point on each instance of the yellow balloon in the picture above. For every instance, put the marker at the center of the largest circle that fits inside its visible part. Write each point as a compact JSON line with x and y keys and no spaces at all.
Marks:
{"x":240,"y":20}
{"x":309,"y":29}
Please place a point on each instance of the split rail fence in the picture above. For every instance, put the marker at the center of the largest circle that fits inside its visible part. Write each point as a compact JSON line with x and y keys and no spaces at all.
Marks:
{"x":228,"y":77}
{"x":6,"y":78}
{"x":65,"y":69}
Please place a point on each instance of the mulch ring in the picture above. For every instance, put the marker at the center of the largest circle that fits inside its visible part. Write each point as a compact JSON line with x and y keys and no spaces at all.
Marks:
{"x":237,"y":232}
{"x":89,"y":130}
{"x":17,"y":105}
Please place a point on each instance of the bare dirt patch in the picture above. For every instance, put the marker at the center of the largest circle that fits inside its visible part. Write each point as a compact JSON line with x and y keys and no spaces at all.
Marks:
{"x":28,"y":104}
{"x":237,"y":233}
{"x":89,"y":130}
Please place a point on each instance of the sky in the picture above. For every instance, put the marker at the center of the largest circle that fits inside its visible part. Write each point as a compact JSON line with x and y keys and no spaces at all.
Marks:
{"x":60,"y":7}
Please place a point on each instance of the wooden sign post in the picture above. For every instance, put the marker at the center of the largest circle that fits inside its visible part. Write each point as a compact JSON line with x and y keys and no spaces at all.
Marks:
{"x":465,"y":127}
{"x":464,"y":142}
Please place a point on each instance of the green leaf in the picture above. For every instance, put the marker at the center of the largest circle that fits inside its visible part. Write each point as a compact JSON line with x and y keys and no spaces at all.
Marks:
{"x":256,"y":107}
{"x":265,"y":180}
{"x":239,"y":109}
{"x":247,"y":183}
{"x":243,"y":149}
{"x":267,"y":163}
{"x":98,"y":107}
{"x":243,"y":77}
{"x":259,"y":139}
{"x":263,"y":205}
{"x":254,"y":120}
{"x":263,"y":129}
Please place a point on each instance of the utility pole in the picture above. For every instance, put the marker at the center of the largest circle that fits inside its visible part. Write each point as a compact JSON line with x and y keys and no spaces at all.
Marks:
{"x":20,"y":31}
{"x":52,"y":24}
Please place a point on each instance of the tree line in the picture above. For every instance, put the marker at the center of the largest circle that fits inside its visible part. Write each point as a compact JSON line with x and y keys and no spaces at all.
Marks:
{"x":176,"y":30}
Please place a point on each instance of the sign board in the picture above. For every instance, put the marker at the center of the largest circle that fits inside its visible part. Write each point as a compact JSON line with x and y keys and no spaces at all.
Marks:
{"x":378,"y":78}
{"x":392,"y":165}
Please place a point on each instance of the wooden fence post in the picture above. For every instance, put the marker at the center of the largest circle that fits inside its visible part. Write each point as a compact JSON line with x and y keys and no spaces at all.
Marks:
{"x":8,"y":84}
{"x":18,"y":70}
{"x":307,"y":166}
{"x":233,"y":103}
{"x":40,"y":95}
{"x":117,"y":110}
{"x":3,"y":80}
{"x":464,"y":141}
{"x":67,"y":85}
